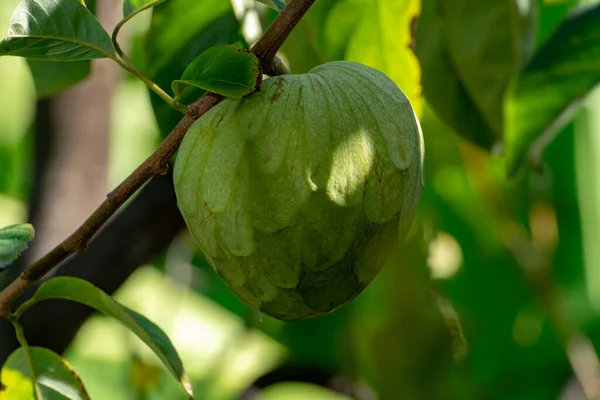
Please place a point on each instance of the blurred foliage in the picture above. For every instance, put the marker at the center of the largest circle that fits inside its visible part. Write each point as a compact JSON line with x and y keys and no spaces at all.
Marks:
{"x":471,"y":306}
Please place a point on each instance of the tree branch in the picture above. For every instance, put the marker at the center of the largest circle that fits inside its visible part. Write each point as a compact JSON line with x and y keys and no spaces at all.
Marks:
{"x":265,"y":49}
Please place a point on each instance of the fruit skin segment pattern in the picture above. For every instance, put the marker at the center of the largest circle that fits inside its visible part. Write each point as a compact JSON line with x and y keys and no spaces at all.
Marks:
{"x":298,"y":194}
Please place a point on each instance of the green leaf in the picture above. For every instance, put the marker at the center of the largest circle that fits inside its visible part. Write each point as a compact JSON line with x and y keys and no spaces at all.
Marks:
{"x":276,"y":5}
{"x":470,"y":51}
{"x":57,"y":30}
{"x":551,"y":87}
{"x":14,"y":240}
{"x":227,"y":70}
{"x":488,"y":59}
{"x":169,"y":48}
{"x":52,"y":77}
{"x":442,"y":88}
{"x":132,"y":7}
{"x":84,"y":292}
{"x":380,"y":37}
{"x":42,"y":370}
{"x":376,"y":33}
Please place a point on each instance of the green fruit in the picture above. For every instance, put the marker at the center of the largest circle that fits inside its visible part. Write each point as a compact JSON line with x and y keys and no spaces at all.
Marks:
{"x":297,"y":194}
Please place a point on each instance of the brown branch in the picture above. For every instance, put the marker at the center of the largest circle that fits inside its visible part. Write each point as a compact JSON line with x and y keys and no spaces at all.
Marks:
{"x":265,"y":49}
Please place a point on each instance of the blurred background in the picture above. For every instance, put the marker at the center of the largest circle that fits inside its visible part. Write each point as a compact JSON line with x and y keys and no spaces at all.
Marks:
{"x":495,"y":294}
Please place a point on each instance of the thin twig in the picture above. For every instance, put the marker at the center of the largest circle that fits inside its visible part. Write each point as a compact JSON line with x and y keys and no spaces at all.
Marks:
{"x":265,"y":49}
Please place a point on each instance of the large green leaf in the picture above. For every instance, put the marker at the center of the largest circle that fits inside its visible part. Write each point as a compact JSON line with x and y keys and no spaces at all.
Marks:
{"x":489,"y":40}
{"x":84,"y":292}
{"x":39,"y":370}
{"x":551,"y":87}
{"x":52,"y":77}
{"x":58,"y":30}
{"x":470,"y":51}
{"x":14,"y":240}
{"x":442,"y":88}
{"x":170,"y":48}
{"x":377,"y":33}
{"x":228,"y":70}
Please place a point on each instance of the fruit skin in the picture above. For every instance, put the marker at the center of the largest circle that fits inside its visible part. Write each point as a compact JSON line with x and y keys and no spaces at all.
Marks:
{"x":298,"y":193}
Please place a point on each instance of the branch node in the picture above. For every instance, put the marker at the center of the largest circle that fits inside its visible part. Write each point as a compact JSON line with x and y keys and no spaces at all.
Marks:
{"x":110,"y":197}
{"x":161,"y":168}
{"x":279,"y":68}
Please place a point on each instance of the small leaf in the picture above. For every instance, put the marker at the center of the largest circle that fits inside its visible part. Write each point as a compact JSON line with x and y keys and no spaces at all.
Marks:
{"x":132,"y":7}
{"x":14,"y":240}
{"x":227,"y":70}
{"x":551,"y":87}
{"x":276,"y":5}
{"x":58,"y":30}
{"x":84,"y":292}
{"x":42,"y":370}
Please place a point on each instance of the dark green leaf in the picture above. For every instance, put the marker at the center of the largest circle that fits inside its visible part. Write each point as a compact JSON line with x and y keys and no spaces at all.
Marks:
{"x":52,"y":77}
{"x":14,"y":240}
{"x":132,"y":7}
{"x":443,"y":90}
{"x":551,"y":87}
{"x":83,"y":292}
{"x":170,"y":48}
{"x":489,"y":41}
{"x":470,"y":51}
{"x":277,"y":5}
{"x":227,"y":70}
{"x":39,"y":369}
{"x":58,"y":30}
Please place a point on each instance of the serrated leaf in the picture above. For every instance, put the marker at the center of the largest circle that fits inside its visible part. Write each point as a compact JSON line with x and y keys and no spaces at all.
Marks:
{"x":84,"y":292}
{"x":551,"y":87}
{"x":227,"y":70}
{"x":132,"y":7}
{"x":57,"y":30}
{"x":276,"y":5}
{"x":14,"y":240}
{"x":43,"y":371}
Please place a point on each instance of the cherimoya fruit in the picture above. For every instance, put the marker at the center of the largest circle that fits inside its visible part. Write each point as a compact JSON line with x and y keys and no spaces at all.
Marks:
{"x":298,"y":193}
